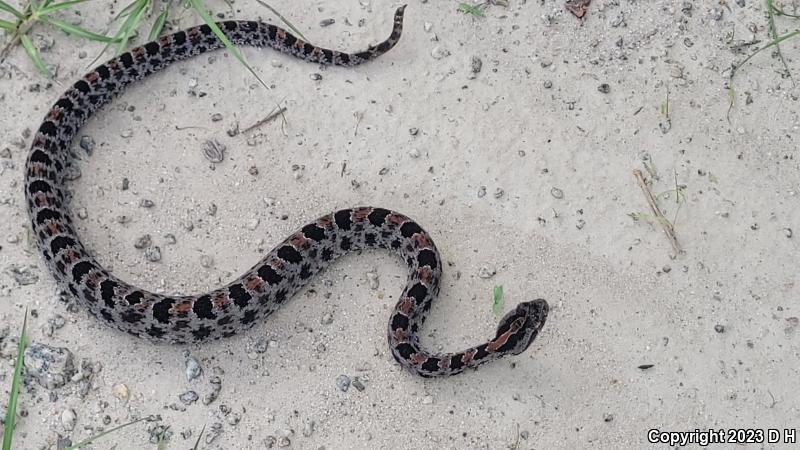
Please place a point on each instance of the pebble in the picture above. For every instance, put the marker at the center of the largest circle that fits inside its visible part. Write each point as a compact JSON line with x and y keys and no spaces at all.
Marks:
{"x":126,"y":133}
{"x":68,"y":419}
{"x":427,"y":400}
{"x":121,"y":391}
{"x":475,"y":67}
{"x":414,"y":153}
{"x":216,"y":387}
{"x":358,"y":384}
{"x":604,"y":88}
{"x":143,"y":242}
{"x":124,"y":184}
{"x":82,"y":213}
{"x":316,"y":77}
{"x":557,"y":193}
{"x":170,"y":239}
{"x":787,"y":232}
{"x":498,"y":193}
{"x":481,"y":191}
{"x":216,"y":117}
{"x":214,"y":151}
{"x":87,"y":144}
{"x":145,"y":203}
{"x":486,"y":272}
{"x":547,"y":84}
{"x":193,"y":368}
{"x":373,"y":280}
{"x":24,"y":276}
{"x":206,"y":261}
{"x":327,"y":22}
{"x":189,"y":397}
{"x":719,"y":328}
{"x":440,"y":52}
{"x":327,"y":319}
{"x":343,"y":382}
{"x":51,"y":367}
{"x":253,"y":224}
{"x":153,"y":254}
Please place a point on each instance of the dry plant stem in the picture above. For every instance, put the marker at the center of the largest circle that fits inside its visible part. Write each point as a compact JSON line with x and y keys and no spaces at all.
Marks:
{"x":271,"y":116}
{"x":669,"y":230}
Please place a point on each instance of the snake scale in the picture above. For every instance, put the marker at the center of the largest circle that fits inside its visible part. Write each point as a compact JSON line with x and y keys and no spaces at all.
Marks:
{"x":285,"y":269}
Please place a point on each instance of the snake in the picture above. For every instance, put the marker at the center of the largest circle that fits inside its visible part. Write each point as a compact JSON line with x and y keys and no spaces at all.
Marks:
{"x":283,"y":271}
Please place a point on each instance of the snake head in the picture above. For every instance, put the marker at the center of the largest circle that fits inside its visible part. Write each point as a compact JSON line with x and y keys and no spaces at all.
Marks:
{"x":518,"y":329}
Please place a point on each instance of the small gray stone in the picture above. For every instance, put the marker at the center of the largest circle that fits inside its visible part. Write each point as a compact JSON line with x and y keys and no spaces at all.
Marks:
{"x":193,"y":368}
{"x":214,"y":151}
{"x":216,"y":387}
{"x":23,"y":275}
{"x":143,"y":242}
{"x":343,"y":383}
{"x":719,"y":328}
{"x":51,"y":367}
{"x":486,"y":271}
{"x":358,"y":384}
{"x":189,"y":397}
{"x":557,"y":193}
{"x":68,"y":419}
{"x":153,"y":254}
{"x":327,"y":22}
{"x":146,"y":203}
{"x":87,"y":144}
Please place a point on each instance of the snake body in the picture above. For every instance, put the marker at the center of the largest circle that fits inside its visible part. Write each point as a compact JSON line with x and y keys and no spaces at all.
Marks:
{"x":285,"y":269}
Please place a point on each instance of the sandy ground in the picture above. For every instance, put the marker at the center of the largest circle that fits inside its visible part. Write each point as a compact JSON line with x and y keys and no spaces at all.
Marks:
{"x":523,"y":168}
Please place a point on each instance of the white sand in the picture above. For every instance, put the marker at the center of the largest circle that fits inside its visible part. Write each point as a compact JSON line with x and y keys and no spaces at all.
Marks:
{"x":618,"y":300}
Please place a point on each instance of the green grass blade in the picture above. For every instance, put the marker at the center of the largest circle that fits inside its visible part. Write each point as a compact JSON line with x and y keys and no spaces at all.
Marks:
{"x":127,"y":10}
{"x":11,"y":411}
{"x":200,"y":9}
{"x":283,"y":19}
{"x":161,"y":444}
{"x":497,"y":300}
{"x":6,"y":25}
{"x":33,"y":53}
{"x":78,"y":31}
{"x":10,"y":9}
{"x":130,"y":24}
{"x":158,"y":25}
{"x":91,"y":439}
{"x":475,"y":10}
{"x":59,"y":6}
{"x":772,"y":8}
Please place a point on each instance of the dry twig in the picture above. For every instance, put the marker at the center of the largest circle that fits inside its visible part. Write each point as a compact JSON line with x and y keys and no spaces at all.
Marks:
{"x":669,"y":229}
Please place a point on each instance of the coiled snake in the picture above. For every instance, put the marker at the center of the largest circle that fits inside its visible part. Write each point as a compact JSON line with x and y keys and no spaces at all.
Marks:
{"x":285,"y":269}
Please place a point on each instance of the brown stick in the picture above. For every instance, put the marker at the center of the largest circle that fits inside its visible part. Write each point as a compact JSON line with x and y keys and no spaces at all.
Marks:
{"x":669,"y":230}
{"x":275,"y":113}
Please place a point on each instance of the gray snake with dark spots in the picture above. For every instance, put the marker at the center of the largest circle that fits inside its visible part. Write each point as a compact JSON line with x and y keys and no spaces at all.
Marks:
{"x":285,"y":269}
